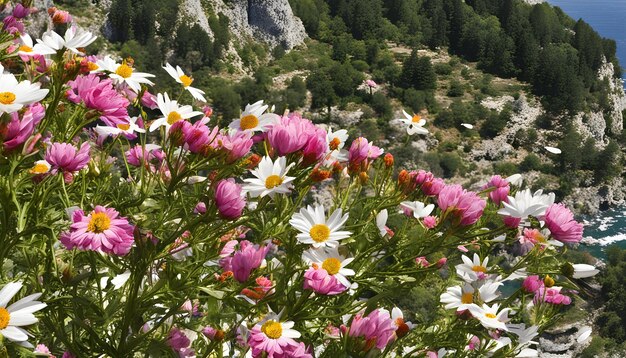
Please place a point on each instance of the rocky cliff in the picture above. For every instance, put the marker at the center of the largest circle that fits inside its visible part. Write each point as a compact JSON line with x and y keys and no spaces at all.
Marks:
{"x":271,"y":21}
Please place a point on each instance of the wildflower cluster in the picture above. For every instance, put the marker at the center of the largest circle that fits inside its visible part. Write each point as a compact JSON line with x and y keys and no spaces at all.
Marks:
{"x":145,"y":226}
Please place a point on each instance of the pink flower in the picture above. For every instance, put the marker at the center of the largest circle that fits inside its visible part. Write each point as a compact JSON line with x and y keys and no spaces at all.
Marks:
{"x":532,"y":283}
{"x":236,"y":145}
{"x":137,"y":155}
{"x":246,"y":259}
{"x":198,"y":137}
{"x":228,"y":198}
{"x":501,"y":189}
{"x":441,"y":262}
{"x":200,"y":208}
{"x":42,"y":348}
{"x":65,"y":157}
{"x":467,"y":206}
{"x":316,"y":147}
{"x":361,"y":153}
{"x":178,"y":341}
{"x":511,"y":221}
{"x":100,"y":96}
{"x":290,"y":134}
{"x":17,"y":131}
{"x":377,"y":327}
{"x":560,"y":221}
{"x":552,"y":295}
{"x":12,"y":25}
{"x":102,"y":230}
{"x":430,"y":222}
{"x":149,"y":100}
{"x":371,"y":84}
{"x":264,"y":287}
{"x":20,"y":12}
{"x":319,"y":281}
{"x":67,"y":354}
{"x":433,"y":186}
{"x":421,"y":262}
{"x":273,"y":338}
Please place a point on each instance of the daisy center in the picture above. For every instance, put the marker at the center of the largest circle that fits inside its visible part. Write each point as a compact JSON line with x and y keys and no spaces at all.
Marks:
{"x":25,"y":48}
{"x":7,"y":97}
{"x":334,"y":144}
{"x":173,"y":117}
{"x":319,"y":232}
{"x":124,"y":71}
{"x":416,"y":118}
{"x":99,"y":223}
{"x":467,"y":298}
{"x":248,"y":122}
{"x":5,"y":317}
{"x":186,"y":80}
{"x":40,"y":168}
{"x":331,"y":265}
{"x":479,"y":268}
{"x":123,"y":126}
{"x":273,"y":181}
{"x":92,"y":66}
{"x":272,"y":329}
{"x":490,"y":315}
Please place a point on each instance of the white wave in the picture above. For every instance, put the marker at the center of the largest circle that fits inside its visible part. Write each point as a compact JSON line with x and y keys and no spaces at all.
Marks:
{"x":604,"y":241}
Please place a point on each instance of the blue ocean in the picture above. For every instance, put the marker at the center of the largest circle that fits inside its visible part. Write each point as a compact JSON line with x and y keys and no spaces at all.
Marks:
{"x":608,"y":17}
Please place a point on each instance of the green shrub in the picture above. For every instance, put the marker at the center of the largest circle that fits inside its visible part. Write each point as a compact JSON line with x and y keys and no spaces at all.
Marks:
{"x":531,"y":162}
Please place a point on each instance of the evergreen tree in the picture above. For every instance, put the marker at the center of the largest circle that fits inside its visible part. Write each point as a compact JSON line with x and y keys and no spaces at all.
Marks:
{"x":119,"y":17}
{"x":556,"y":78}
{"x":418,"y":73}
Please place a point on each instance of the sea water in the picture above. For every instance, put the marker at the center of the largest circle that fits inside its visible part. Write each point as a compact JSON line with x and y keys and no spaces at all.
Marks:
{"x":607,"y":17}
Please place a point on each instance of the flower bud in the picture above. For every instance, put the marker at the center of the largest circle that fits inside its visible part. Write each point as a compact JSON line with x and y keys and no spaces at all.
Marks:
{"x":388,"y":159}
{"x":363,"y":177}
{"x":548,"y":281}
{"x":567,"y":269}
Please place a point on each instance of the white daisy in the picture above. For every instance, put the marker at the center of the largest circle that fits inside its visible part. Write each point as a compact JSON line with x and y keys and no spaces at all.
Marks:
{"x":584,"y":271}
{"x":336,"y":140}
{"x":123,"y":73}
{"x":381,"y":222}
{"x":172,"y":112}
{"x":524,"y":339}
{"x":40,"y":167}
{"x":515,"y":180}
{"x":330,"y":260}
{"x":76,"y":39}
{"x":274,"y":329}
{"x":459,"y":297}
{"x":19,"y":314}
{"x":49,"y":44}
{"x":15,"y":95}
{"x":26,"y":46}
{"x":398,"y":322}
{"x":270,"y":178}
{"x":254,"y":118}
{"x":490,"y":317}
{"x":316,"y":230}
{"x":418,"y":208}
{"x":471,"y":271}
{"x":179,"y":76}
{"x":525,"y":204}
{"x":415,"y":123}
{"x":129,"y":128}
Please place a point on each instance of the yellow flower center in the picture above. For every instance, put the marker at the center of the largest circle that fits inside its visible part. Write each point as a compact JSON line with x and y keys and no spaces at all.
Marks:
{"x":99,"y":223}
{"x":248,"y":122}
{"x":548,"y":281}
{"x":25,"y":48}
{"x":334,"y":144}
{"x":7,"y":97}
{"x":319,"y":232}
{"x":416,"y":118}
{"x":124,"y":71}
{"x":467,"y":298}
{"x":272,"y":329}
{"x":173,"y":117}
{"x":39,"y":168}
{"x":331,"y":265}
{"x":490,"y":315}
{"x":92,"y":66}
{"x":5,"y":317}
{"x":186,"y":80}
{"x":479,"y":268}
{"x":273,"y":181}
{"x":124,"y":126}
